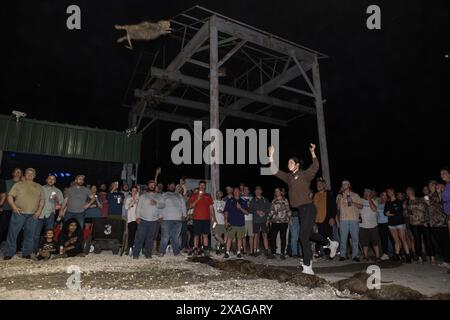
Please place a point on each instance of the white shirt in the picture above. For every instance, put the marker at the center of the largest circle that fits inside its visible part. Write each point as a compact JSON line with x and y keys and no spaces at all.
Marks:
{"x":368,"y":216}
{"x":219,"y":205}
{"x":131,"y":212}
{"x":248,"y":217}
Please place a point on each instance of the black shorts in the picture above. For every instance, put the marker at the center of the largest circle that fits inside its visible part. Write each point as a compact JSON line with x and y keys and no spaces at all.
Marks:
{"x":260,"y":227}
{"x":369,"y":237}
{"x":202,"y":227}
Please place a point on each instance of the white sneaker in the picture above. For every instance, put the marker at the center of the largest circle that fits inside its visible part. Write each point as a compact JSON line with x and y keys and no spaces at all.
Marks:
{"x":333,"y":246}
{"x":384,"y":257}
{"x":444,"y":265}
{"x":307,"y":269}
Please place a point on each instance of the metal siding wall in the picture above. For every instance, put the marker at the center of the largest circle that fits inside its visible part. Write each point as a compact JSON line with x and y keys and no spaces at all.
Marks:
{"x":47,"y":138}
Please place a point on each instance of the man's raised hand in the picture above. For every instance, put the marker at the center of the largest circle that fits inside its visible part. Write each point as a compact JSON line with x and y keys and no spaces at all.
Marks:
{"x":312,"y":147}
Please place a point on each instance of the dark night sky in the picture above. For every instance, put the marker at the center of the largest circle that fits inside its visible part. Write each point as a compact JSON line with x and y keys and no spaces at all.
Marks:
{"x":387,"y":91}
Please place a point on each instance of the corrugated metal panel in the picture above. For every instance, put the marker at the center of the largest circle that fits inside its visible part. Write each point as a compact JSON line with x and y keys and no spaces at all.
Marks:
{"x":55,"y":139}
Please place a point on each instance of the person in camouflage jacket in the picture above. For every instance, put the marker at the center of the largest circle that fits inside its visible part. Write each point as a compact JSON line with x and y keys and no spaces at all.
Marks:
{"x":279,"y":218}
{"x":437,"y":221}
{"x":416,"y":211}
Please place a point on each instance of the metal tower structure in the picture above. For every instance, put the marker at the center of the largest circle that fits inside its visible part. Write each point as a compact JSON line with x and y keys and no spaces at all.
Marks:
{"x":215,"y":67}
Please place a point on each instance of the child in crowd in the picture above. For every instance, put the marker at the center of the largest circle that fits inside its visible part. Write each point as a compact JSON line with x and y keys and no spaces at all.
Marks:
{"x":47,"y":247}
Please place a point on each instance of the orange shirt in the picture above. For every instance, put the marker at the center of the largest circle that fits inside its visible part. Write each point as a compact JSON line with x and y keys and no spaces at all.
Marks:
{"x":320,"y":201}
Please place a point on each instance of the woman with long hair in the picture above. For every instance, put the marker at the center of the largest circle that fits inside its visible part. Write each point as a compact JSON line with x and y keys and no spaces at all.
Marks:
{"x":71,"y":238}
{"x":393,"y":209}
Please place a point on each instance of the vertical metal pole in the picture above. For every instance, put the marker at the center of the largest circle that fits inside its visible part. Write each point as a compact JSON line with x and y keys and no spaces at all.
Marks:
{"x":207,"y":168}
{"x":132,"y":122}
{"x":321,"y":123}
{"x":214,"y":97}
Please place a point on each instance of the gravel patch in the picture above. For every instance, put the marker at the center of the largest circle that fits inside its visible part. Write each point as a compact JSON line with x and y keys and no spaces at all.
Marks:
{"x":258,"y":289}
{"x":106,"y":276}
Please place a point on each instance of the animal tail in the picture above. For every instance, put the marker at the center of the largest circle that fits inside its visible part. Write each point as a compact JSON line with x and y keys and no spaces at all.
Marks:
{"x":119,"y":27}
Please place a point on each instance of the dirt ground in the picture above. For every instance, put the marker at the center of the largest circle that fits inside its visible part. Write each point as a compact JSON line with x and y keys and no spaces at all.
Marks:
{"x":106,"y":276}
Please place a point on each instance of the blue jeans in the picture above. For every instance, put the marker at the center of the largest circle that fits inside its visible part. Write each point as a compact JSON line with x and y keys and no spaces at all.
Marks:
{"x":19,"y":221}
{"x":170,"y":230}
{"x":145,"y":234}
{"x":351,"y":227}
{"x":75,"y":215}
{"x":40,"y":223}
{"x":336,"y":233}
{"x":294,"y":230}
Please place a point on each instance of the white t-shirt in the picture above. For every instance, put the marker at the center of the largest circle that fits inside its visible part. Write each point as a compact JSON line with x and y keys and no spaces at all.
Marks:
{"x":369,"y":218}
{"x":248,"y":217}
{"x":131,"y":212}
{"x":219,"y":205}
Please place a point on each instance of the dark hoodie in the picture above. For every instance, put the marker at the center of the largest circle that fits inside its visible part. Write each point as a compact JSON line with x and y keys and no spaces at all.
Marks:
{"x":74,"y":240}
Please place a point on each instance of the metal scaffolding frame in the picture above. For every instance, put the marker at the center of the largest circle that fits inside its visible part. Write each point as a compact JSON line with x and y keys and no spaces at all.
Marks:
{"x":257,"y":72}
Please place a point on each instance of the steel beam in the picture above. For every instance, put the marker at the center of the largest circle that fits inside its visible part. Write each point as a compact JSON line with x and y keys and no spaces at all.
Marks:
{"x":198,"y":63}
{"x":220,"y":43}
{"x":321,"y":124}
{"x":261,"y":39}
{"x":170,"y":117}
{"x":214,"y":116}
{"x":306,"y":93}
{"x":195,"y":105}
{"x":305,"y":76}
{"x":270,"y":86}
{"x":256,"y":97}
{"x":231,"y":52}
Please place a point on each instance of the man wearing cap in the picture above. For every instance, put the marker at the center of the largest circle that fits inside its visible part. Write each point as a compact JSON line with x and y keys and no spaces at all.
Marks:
{"x":368,"y":228}
{"x":53,"y":200}
{"x":26,"y":199}
{"x":349,"y":203}
{"x":78,"y":199}
{"x":299,"y":181}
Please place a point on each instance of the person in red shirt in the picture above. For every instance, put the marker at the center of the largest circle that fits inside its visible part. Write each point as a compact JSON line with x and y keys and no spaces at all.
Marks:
{"x":202,"y":203}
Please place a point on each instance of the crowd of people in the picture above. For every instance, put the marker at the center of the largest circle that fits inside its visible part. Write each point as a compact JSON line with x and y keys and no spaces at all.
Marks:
{"x":42,"y":222}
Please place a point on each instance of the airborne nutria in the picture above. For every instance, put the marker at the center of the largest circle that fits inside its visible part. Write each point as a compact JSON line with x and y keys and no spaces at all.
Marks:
{"x":145,"y":30}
